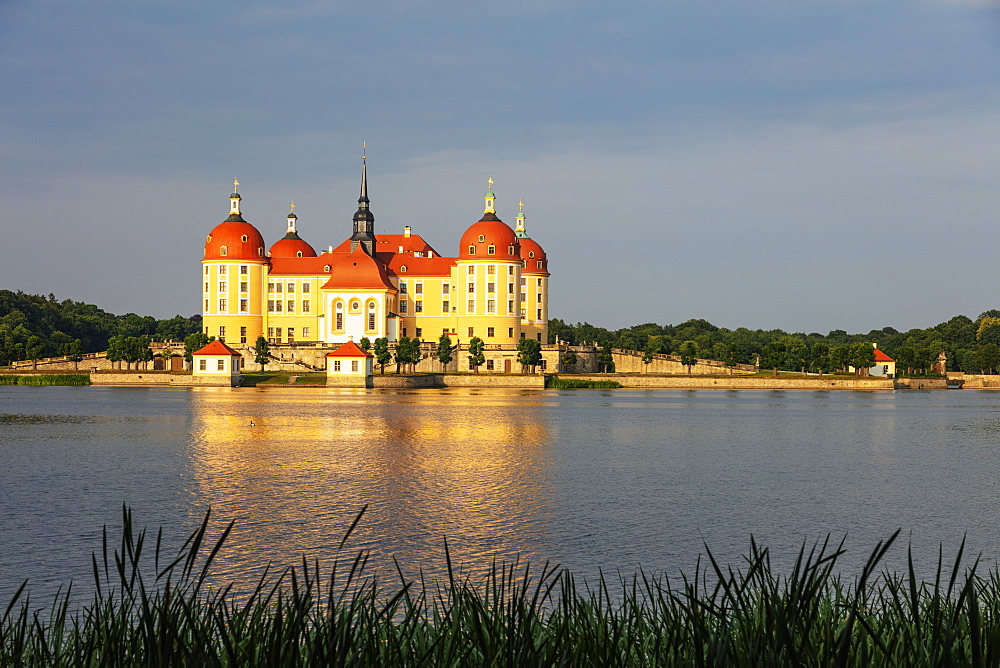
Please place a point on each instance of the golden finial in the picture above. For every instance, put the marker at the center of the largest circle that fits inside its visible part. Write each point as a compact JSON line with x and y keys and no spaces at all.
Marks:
{"x":293,"y":206}
{"x":490,"y":182}
{"x":236,"y":186}
{"x":520,"y":204}
{"x":364,"y":150}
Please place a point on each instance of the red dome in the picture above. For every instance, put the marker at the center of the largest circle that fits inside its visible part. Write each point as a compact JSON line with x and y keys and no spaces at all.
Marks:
{"x":291,"y":245}
{"x":240,"y":239}
{"x":489,"y":232}
{"x":532,"y":254}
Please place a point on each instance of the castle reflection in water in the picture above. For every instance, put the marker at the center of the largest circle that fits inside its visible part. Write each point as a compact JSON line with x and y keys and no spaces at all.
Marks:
{"x":470,"y":467}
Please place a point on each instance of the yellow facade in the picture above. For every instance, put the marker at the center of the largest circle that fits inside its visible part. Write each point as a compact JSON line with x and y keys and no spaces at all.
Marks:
{"x":409,"y":290}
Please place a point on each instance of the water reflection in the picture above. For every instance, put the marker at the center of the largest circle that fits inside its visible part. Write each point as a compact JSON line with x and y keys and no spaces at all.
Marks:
{"x":473,"y":468}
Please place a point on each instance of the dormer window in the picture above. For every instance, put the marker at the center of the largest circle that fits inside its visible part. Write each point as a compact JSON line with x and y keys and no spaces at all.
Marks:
{"x":260,"y":251}
{"x":403,"y":269}
{"x":482,"y":238}
{"x":510,"y":250}
{"x":531,"y":253}
{"x":327,"y":269}
{"x":472,"y":250}
{"x":224,"y":251}
{"x":299,"y":254}
{"x":492,"y":250}
{"x":244,"y":238}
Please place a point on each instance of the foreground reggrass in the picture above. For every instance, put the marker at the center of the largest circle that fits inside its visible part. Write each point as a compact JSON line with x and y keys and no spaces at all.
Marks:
{"x":515,"y":616}
{"x":46,"y":379}
{"x":555,"y":382}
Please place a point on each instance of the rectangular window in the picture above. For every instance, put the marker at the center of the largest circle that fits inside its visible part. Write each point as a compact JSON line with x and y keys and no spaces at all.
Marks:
{"x":206,"y":286}
{"x":472,"y":306}
{"x":539,"y":314}
{"x":489,"y":332}
{"x":270,"y":287}
{"x":243,"y":286}
{"x":340,"y":321}
{"x":418,"y":306}
{"x":539,"y":282}
{"x":402,"y":306}
{"x":445,"y":308}
{"x":404,"y":331}
{"x":420,"y":332}
{"x":336,"y":365}
{"x":371,"y":321}
{"x":243,"y":269}
{"x":489,"y":365}
{"x":243,"y":306}
{"x":222,"y":269}
{"x":541,"y":363}
{"x":277,"y":333}
{"x":243,"y":334}
{"x":444,"y":331}
{"x":444,"y":289}
{"x":524,"y":282}
{"x":277,"y":287}
{"x":222,"y":333}
{"x":277,"y":305}
{"x":291,"y":335}
{"x":472,"y":287}
{"x":524,"y":297}
{"x":538,"y":298}
{"x":222,"y":304}
{"x":291,"y":288}
{"x":472,"y":270}
{"x":510,"y":306}
{"x":206,"y":270}
{"x":510,"y":332}
{"x":291,"y":306}
{"x":202,"y":365}
{"x":270,"y":332}
{"x":402,"y":288}
{"x":491,"y":306}
{"x":538,"y":336}
{"x":472,"y":331}
{"x":222,"y":286}
{"x":305,"y":288}
{"x":419,"y":288}
{"x":510,"y":270}
{"x":510,"y":288}
{"x":491,"y":287}
{"x":305,"y":332}
{"x":270,"y":305}
{"x":354,"y":366}
{"x":221,"y":365}
{"x":491,"y":269}
{"x":305,"y":306}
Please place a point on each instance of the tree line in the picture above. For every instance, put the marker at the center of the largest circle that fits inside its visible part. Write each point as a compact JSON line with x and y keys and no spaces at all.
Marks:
{"x":972,"y":346}
{"x":36,"y":326}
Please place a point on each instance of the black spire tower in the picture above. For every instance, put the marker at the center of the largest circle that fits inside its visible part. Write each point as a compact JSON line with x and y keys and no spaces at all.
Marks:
{"x":364,"y":221}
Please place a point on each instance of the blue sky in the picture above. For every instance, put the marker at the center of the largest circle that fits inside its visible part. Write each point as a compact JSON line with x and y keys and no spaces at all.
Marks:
{"x":806,"y":165}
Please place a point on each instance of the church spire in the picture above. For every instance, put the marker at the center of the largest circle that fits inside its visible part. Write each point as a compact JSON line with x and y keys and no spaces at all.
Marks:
{"x":364,"y":221}
{"x":292,"y":220}
{"x":519,"y":229}
{"x":234,"y":204}
{"x":491,"y":199}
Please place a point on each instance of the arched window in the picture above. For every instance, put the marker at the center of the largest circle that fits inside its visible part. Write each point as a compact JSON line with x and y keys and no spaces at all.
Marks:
{"x":510,"y":250}
{"x":298,"y":254}
{"x":224,"y":251}
{"x":482,"y":238}
{"x":260,"y":251}
{"x":244,"y":238}
{"x":403,"y":269}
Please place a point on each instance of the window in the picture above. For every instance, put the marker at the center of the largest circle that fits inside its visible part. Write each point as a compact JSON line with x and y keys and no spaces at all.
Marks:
{"x":420,"y":332}
{"x":326,"y":268}
{"x":222,"y":304}
{"x":541,"y":363}
{"x":260,"y":251}
{"x":243,"y":334}
{"x":489,"y":332}
{"x":291,"y":288}
{"x":243,"y":269}
{"x":402,"y":287}
{"x":510,"y":306}
{"x":291,"y":335}
{"x":336,"y":365}
{"x":472,"y":287}
{"x":510,"y":270}
{"x":291,"y":306}
{"x":277,"y":332}
{"x":243,"y":286}
{"x":222,"y":269}
{"x":539,"y":316}
{"x":206,"y":286}
{"x":524,"y":297}
{"x":492,"y":250}
{"x":202,"y":365}
{"x":354,"y":366}
{"x":402,"y":269}
{"x":472,"y":270}
{"x":222,"y":333}
{"x":531,"y":254}
{"x":472,"y":250}
{"x":539,"y":337}
{"x":277,"y":287}
{"x":305,"y":288}
{"x":355,"y":305}
{"x":539,"y":297}
{"x":472,"y":331}
{"x":445,"y":307}
{"x":491,"y":287}
{"x":220,"y":365}
{"x":491,"y":306}
{"x":489,"y":365}
{"x":206,"y":266}
{"x":539,"y":282}
{"x":419,"y":288}
{"x":340,"y":321}
{"x":510,"y":251}
{"x":418,"y":306}
{"x":298,"y":254}
{"x":539,"y":263}
{"x":444,"y":288}
{"x":270,"y":333}
{"x":510,"y":332}
{"x":270,"y":305}
{"x":277,"y":305}
{"x":243,"y":306}
{"x":482,"y":238}
{"x":371,"y":321}
{"x":222,"y":286}
{"x":206,"y":305}
{"x":305,"y":306}
{"x":244,"y":238}
{"x":404,"y":331}
{"x":402,"y":306}
{"x":522,"y":335}
{"x":270,"y":287}
{"x":524,"y":282}
{"x":305,"y":332}
{"x":510,"y":288}
{"x":491,"y":269}
{"x":472,"y":306}
{"x":223,"y":251}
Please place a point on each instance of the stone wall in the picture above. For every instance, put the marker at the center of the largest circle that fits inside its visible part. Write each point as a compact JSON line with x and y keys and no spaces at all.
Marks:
{"x":630,"y":361}
{"x":494,"y":380}
{"x":162,"y":379}
{"x":391,"y":380}
{"x":743,"y":382}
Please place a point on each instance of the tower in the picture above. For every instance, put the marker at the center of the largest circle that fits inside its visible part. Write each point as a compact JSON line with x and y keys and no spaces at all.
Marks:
{"x":364,"y":221}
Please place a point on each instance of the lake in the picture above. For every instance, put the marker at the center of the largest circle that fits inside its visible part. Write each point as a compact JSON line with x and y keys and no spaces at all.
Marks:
{"x":612,"y":480}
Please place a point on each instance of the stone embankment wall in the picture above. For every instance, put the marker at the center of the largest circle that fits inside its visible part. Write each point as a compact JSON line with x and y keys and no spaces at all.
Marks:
{"x":162,"y":380}
{"x":630,"y":361}
{"x":975,"y":381}
{"x":922,"y":384}
{"x":742,"y":382}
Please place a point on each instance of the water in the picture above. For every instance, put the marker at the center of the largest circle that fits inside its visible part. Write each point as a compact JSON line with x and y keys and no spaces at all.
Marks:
{"x":609,"y":480}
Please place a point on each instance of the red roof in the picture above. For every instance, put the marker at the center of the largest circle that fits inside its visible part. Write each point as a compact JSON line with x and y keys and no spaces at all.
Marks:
{"x":349,"y":349}
{"x":882,"y":358}
{"x":217,"y":348}
{"x":291,"y":247}
{"x":241,"y":240}
{"x":419,"y":266}
{"x":360,"y":271}
{"x":532,"y":254}
{"x":493,"y":232}
{"x":304,"y":266}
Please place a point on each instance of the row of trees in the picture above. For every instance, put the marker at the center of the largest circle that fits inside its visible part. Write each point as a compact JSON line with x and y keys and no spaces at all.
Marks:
{"x":407,"y":354}
{"x":35,"y":326}
{"x":967,"y":343}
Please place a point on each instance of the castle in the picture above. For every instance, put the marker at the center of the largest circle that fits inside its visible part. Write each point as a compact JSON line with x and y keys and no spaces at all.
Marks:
{"x":373,"y":286}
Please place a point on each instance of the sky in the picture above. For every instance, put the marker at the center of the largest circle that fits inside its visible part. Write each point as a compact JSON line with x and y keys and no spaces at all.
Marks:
{"x":806,"y":165}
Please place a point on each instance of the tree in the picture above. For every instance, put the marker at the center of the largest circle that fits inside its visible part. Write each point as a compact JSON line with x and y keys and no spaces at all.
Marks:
{"x":529,"y":354}
{"x":654,"y":346}
{"x":569,"y":358}
{"x":773,"y":355}
{"x":116,"y":350}
{"x":444,"y":351}
{"x":862,"y":358}
{"x":192,"y":344}
{"x":988,"y":331}
{"x":261,"y":352}
{"x":382,"y":354}
{"x":820,"y":358}
{"x":365,"y":344}
{"x":74,"y":353}
{"x":34,"y":349}
{"x":606,"y":360}
{"x":689,"y":354}
{"x":476,"y":356}
{"x":988,"y":358}
{"x":407,"y":353}
{"x":166,"y":355}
